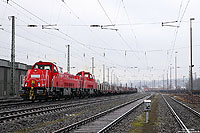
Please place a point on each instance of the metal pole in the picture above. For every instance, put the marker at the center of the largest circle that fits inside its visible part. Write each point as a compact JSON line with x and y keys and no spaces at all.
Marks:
{"x":183,"y":81}
{"x":13,"y":57}
{"x":170,"y":81}
{"x":93,"y":65}
{"x":111,"y":77}
{"x":68,"y":59}
{"x":114,"y":79}
{"x":163,"y":81}
{"x":108,"y":75}
{"x":103,"y":73}
{"x":195,"y":76}
{"x":176,"y":70}
{"x":167,"y":81}
{"x":147,"y":117}
{"x":191,"y":79}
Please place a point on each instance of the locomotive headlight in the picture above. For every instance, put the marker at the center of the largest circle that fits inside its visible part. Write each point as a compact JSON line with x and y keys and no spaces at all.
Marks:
{"x":38,"y":84}
{"x":26,"y":84}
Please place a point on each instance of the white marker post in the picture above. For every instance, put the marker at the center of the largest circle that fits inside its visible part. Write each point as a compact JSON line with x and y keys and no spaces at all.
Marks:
{"x":147,"y":109}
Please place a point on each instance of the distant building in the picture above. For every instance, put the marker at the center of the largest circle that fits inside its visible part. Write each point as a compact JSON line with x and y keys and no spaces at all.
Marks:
{"x":5,"y":77}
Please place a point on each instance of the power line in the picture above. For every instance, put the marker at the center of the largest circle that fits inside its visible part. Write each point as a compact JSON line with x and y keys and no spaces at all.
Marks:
{"x":73,"y":38}
{"x":29,"y":12}
{"x":131,"y":29}
{"x":78,"y":42}
{"x":52,"y":35}
{"x":35,"y":42}
{"x":120,"y":24}
{"x":118,"y":11}
{"x":125,"y":42}
{"x":176,"y":32}
{"x":179,"y":12}
{"x":117,"y":30}
{"x":184,"y":12}
{"x":60,"y":32}
{"x":105,"y":12}
{"x":48,"y":23}
{"x":88,"y":26}
{"x":129,"y":21}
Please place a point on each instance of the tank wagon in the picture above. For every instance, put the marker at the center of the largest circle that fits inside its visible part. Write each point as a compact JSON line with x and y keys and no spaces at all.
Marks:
{"x":47,"y":81}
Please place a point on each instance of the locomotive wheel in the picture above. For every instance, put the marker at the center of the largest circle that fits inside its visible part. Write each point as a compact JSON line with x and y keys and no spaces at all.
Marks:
{"x":33,"y":99}
{"x":70,"y":97}
{"x":53,"y":99}
{"x":65,"y":98}
{"x":46,"y":99}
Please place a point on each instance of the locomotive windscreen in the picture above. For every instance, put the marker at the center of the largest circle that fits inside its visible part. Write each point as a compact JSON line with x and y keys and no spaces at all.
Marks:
{"x":43,"y":67}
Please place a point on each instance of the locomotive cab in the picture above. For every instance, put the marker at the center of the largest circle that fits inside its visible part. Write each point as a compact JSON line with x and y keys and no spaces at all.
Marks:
{"x":38,"y":81}
{"x":85,"y":75}
{"x":88,"y":83}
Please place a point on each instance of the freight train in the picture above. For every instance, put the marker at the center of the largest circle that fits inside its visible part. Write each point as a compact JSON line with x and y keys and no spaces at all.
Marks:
{"x":47,"y":81}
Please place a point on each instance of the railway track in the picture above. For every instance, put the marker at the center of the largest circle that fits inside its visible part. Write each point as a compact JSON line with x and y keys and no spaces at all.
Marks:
{"x":187,"y":118}
{"x":22,"y":104}
{"x":25,"y":104}
{"x":2,"y":106}
{"x":3,"y":101}
{"x":44,"y":109}
{"x":103,"y":121}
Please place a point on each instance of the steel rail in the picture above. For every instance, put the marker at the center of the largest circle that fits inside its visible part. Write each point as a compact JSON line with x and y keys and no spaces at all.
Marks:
{"x":46,"y":108}
{"x":11,"y":100}
{"x":189,"y":108}
{"x":105,"y":129}
{"x":14,"y":104}
{"x":176,"y":116}
{"x":24,"y":102}
{"x":51,"y":105}
{"x":84,"y":121}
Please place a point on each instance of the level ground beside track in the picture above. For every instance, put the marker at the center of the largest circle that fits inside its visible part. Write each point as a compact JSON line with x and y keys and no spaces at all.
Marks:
{"x":161,"y":119}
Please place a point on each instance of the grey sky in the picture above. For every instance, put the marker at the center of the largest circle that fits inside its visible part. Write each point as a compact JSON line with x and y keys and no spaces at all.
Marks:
{"x":147,"y":45}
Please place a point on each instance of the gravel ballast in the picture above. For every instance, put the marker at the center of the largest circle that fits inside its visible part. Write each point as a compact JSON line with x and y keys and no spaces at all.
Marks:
{"x":164,"y":123}
{"x":53,"y":121}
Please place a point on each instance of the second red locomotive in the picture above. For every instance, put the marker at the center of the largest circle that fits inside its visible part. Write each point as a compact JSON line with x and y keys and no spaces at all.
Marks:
{"x":45,"y":80}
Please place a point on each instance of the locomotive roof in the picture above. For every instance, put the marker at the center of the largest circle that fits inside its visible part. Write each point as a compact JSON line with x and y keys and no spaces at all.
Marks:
{"x":84,"y":72}
{"x":41,"y":62}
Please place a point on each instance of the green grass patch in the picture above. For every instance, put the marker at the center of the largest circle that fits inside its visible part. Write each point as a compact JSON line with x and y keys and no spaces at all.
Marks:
{"x":138,"y":124}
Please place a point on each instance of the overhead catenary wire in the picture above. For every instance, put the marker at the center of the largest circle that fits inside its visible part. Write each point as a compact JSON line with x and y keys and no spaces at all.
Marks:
{"x":125,"y":42}
{"x":77,"y":40}
{"x":104,"y":48}
{"x":179,"y":12}
{"x":129,"y":21}
{"x":88,"y":26}
{"x":48,"y":23}
{"x":92,"y":50}
{"x":115,"y":21}
{"x":177,"y":29}
{"x":131,"y":29}
{"x":90,"y":43}
{"x":39,"y":43}
{"x":30,"y":53}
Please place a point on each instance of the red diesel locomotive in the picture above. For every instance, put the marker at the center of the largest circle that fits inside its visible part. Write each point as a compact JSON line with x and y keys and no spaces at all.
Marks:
{"x":47,"y":81}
